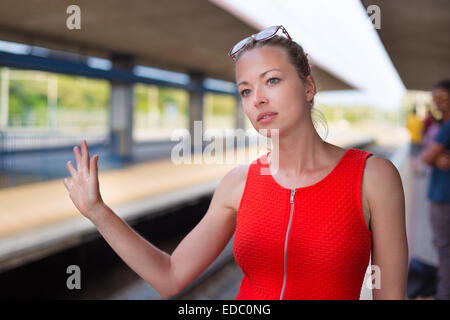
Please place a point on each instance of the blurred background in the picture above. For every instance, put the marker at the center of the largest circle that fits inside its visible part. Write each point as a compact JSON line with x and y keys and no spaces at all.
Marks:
{"x":126,"y":75}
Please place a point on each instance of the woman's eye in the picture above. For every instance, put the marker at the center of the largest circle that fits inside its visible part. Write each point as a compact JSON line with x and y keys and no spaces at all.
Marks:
{"x":273,"y":80}
{"x":246,"y":92}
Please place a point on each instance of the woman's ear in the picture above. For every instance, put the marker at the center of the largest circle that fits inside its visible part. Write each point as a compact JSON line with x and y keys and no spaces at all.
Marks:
{"x":310,"y":88}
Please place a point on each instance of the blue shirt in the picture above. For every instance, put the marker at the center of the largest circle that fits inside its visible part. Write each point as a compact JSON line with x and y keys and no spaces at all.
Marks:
{"x":439,"y":187}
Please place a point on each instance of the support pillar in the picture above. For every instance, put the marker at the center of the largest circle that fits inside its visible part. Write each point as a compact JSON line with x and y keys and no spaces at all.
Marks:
{"x":4,"y":102}
{"x":196,"y":97}
{"x":121,"y":112}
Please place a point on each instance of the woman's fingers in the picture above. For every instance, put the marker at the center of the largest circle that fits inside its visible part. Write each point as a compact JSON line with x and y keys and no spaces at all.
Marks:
{"x":72,"y":170}
{"x":93,"y":166}
{"x":84,"y":155}
{"x":81,"y":157}
{"x":77,"y":154}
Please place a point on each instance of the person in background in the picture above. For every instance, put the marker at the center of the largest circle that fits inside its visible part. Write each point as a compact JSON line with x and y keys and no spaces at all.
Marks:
{"x":431,"y":131}
{"x":432,"y":125}
{"x":429,"y":120}
{"x":437,"y":155}
{"x":415,"y":126}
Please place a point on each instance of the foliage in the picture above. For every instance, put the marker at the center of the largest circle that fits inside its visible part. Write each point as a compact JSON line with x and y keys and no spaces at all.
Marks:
{"x":28,"y":101}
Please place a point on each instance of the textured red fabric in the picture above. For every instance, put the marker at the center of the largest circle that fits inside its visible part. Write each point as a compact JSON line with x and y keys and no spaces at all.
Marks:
{"x":328,"y":245}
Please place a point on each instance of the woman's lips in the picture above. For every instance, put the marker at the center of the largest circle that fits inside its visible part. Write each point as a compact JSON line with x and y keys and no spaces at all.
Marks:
{"x":266,"y":118}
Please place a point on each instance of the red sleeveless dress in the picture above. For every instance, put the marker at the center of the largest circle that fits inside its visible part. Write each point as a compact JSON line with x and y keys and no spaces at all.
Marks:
{"x":306,"y":243}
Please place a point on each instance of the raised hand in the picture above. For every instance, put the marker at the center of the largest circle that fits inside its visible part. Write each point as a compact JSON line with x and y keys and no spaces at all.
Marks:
{"x":84,"y":191}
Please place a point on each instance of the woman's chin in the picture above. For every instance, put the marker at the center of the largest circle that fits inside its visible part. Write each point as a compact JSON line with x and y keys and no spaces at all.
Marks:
{"x":269,"y":131}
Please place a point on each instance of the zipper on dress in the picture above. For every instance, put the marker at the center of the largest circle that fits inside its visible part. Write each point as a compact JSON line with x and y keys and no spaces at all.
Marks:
{"x":286,"y":242}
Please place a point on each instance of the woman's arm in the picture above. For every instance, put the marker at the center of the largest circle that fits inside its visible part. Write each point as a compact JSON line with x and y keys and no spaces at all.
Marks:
{"x":168,"y":274}
{"x":149,"y":262}
{"x":205,"y":242}
{"x":385,"y":195}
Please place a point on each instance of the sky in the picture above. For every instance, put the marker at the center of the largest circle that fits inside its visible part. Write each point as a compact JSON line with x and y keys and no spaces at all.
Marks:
{"x":338,"y":37}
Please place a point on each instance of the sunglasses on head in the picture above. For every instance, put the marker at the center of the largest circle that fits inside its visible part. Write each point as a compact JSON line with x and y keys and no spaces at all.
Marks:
{"x":260,"y":36}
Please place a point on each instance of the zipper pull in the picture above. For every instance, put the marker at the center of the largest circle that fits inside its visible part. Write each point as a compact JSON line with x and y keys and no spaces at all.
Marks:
{"x":292,"y":195}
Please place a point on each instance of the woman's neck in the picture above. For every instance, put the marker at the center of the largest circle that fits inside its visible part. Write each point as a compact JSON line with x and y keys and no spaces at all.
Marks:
{"x":300,"y":150}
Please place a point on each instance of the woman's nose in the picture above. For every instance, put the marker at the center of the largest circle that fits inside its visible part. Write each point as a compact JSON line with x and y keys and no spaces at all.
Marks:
{"x":260,"y":97}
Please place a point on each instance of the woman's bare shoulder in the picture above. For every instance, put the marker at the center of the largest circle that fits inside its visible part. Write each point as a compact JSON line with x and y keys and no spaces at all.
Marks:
{"x":379,"y":168}
{"x":233,"y":184}
{"x":238,"y":173}
{"x":381,"y":182}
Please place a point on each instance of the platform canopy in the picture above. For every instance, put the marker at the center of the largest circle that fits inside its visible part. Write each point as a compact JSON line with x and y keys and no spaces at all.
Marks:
{"x":176,"y":35}
{"x":409,"y":51}
{"x":416,"y":34}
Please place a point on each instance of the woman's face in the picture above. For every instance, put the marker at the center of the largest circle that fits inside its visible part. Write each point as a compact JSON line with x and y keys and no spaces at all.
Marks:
{"x":269,"y":85}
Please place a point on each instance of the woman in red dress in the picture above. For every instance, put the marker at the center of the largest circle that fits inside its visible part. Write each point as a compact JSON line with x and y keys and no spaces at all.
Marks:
{"x":304,"y":231}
